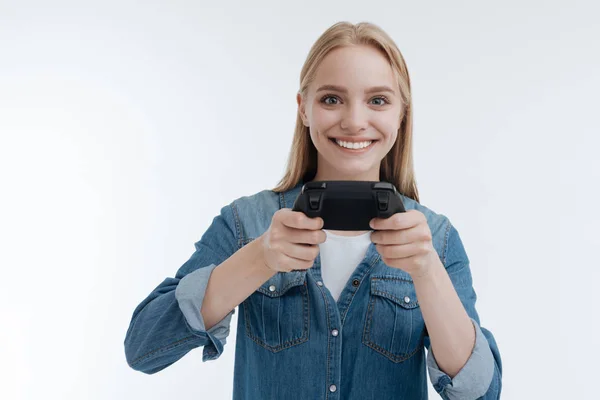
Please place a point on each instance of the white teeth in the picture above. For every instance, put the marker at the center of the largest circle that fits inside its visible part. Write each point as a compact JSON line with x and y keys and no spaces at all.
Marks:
{"x":355,"y":145}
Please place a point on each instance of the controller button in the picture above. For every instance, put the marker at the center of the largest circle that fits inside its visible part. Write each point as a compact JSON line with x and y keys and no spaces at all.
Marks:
{"x":313,"y":201}
{"x":315,"y":185}
{"x":382,"y":201}
{"x":383,"y":185}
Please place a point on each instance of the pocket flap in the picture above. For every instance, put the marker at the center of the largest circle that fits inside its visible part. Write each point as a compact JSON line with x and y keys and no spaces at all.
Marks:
{"x":399,"y":290}
{"x":281,"y":282}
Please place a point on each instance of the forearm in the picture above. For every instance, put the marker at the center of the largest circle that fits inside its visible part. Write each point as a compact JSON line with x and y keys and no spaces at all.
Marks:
{"x":234,"y":280}
{"x":450,"y":328}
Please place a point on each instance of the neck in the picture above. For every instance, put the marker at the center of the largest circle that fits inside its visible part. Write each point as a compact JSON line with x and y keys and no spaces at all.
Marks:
{"x":373,"y":177}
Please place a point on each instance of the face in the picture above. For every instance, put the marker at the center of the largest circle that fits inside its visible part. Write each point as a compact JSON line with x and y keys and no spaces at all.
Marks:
{"x":352,"y":109}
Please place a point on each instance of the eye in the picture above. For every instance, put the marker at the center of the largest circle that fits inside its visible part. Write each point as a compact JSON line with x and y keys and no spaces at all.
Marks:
{"x":328,"y":96}
{"x":385,"y":100}
{"x":325,"y":100}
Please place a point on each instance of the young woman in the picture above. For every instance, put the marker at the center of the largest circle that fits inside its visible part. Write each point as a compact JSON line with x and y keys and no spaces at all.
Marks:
{"x":331,"y":314}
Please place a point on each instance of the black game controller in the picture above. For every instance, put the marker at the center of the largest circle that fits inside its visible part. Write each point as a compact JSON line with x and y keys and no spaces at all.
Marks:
{"x":348,"y":205}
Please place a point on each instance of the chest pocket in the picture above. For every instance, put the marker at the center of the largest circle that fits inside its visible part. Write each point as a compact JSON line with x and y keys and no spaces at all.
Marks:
{"x":394,"y":325}
{"x":277,"y":313}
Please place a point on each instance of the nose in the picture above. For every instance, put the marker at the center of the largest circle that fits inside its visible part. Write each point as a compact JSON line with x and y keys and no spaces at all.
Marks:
{"x":354,"y":119}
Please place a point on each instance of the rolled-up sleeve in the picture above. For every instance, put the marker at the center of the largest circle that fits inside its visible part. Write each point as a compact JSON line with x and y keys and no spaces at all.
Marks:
{"x":190,"y":295}
{"x":473,"y":380}
{"x":167,"y":324}
{"x":481,"y":376}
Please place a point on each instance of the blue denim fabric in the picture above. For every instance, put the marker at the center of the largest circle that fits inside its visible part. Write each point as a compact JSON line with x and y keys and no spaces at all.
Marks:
{"x":294,"y":341}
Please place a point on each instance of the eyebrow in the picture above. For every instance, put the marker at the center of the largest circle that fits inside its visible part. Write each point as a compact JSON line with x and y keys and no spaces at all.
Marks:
{"x":344,"y":90}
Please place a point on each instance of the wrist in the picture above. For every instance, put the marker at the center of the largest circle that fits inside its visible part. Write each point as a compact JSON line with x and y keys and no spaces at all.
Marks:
{"x":260,"y":260}
{"x":428,"y":271}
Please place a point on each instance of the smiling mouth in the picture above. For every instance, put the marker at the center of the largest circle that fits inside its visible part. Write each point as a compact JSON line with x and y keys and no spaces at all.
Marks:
{"x":353,"y":145}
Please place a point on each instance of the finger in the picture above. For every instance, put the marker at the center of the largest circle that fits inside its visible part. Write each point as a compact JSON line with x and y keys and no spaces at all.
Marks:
{"x":305,"y":236}
{"x":300,"y":252}
{"x":297,"y":219}
{"x":385,"y":237}
{"x":396,"y":251}
{"x":403,"y":236}
{"x":397,"y":221}
{"x":401,"y":251}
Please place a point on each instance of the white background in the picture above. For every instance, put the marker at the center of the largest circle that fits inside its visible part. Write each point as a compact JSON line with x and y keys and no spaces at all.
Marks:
{"x":125,"y":126}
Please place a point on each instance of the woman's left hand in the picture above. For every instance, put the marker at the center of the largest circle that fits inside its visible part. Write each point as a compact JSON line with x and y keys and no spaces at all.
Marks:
{"x":404,"y":242}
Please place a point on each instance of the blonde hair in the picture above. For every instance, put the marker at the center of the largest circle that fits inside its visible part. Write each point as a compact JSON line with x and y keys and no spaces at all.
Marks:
{"x":397,"y":165}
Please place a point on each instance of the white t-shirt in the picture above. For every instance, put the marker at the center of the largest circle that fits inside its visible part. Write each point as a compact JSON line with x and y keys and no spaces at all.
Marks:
{"x":340,"y":255}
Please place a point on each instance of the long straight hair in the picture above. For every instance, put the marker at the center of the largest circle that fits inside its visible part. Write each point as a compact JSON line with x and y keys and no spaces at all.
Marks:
{"x":397,"y":165}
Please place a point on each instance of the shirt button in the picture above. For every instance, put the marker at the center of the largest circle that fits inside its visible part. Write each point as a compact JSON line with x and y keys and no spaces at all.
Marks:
{"x":407,"y":299}
{"x":334,"y":332}
{"x":332,"y":388}
{"x":355,"y":282}
{"x":319,"y":283}
{"x":272,"y":288}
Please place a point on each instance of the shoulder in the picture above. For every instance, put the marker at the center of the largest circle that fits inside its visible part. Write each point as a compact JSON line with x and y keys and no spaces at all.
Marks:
{"x":435,"y":219}
{"x":253,"y":212}
{"x":265,"y":200}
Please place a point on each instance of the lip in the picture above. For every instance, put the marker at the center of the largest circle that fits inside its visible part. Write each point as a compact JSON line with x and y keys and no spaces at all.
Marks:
{"x":356,"y":151}
{"x":353,"y":139}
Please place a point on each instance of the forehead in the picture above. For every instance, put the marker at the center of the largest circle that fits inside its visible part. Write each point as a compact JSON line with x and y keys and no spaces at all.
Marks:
{"x":355,"y":67}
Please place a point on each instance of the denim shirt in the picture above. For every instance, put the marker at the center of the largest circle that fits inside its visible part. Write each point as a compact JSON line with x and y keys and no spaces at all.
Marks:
{"x":294,"y":341}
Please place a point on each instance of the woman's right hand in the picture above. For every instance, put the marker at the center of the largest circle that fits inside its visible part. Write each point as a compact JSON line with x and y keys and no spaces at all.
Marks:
{"x":292,"y":241}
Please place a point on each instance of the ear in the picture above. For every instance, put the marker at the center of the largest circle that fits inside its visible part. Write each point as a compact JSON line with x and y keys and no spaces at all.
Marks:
{"x":301,"y":109}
